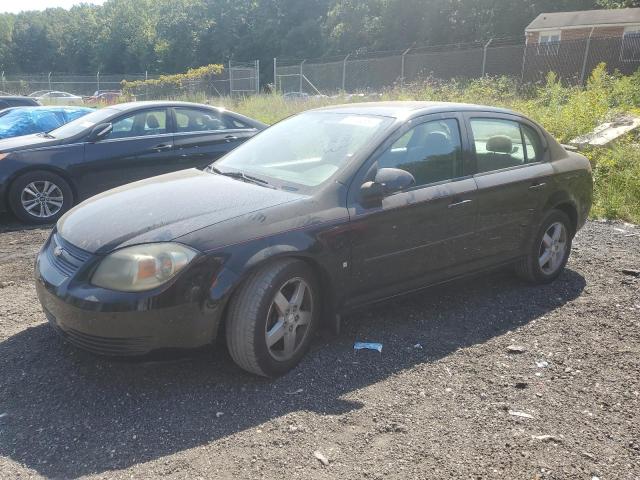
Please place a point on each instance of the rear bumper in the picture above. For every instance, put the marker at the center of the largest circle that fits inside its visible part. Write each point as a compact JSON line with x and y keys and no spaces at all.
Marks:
{"x":123,"y":324}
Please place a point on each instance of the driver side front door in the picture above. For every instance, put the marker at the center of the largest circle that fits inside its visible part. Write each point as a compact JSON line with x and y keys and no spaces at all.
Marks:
{"x":416,"y":236}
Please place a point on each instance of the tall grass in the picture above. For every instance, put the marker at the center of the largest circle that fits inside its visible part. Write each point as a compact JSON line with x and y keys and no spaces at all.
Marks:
{"x":565,"y":111}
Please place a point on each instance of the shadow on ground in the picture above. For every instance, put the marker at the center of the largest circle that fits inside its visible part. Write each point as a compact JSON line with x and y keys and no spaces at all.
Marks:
{"x":69,"y":413}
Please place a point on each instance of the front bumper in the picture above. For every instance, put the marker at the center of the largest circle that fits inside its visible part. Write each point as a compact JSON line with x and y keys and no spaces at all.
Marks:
{"x":176,"y":317}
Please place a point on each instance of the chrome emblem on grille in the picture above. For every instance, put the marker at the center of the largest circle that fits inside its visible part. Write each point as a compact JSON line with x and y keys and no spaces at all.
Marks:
{"x":58,"y":251}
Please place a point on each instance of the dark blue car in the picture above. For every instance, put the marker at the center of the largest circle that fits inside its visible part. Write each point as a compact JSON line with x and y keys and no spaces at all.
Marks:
{"x":15,"y":122}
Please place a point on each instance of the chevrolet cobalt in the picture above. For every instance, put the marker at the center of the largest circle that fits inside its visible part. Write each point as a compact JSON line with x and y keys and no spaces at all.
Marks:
{"x":323,"y":212}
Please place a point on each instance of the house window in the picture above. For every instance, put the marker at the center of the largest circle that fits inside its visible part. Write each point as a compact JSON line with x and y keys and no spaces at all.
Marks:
{"x":549,"y":42}
{"x":631,"y":44}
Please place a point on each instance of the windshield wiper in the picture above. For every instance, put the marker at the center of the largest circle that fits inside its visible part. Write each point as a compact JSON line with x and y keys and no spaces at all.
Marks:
{"x":45,"y":135}
{"x":241,"y":176}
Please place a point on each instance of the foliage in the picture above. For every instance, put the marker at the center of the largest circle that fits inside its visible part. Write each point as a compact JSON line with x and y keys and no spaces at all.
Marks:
{"x":168,"y":36}
{"x":166,"y":85}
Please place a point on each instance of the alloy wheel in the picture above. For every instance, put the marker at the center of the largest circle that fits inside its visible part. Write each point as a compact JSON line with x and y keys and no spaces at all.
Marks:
{"x":289,"y":319}
{"x":42,"y":199}
{"x":553,"y":248}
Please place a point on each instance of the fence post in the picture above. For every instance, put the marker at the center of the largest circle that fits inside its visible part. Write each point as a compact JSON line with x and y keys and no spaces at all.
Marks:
{"x":4,"y":89}
{"x":275,"y":74}
{"x":301,"y":74}
{"x":344,"y":72}
{"x":258,"y":77}
{"x":484,"y":57}
{"x":586,"y":57}
{"x":404,"y":54}
{"x":524,"y":59}
{"x":98,"y":80}
{"x":146,"y":85}
{"x":49,"y":79}
{"x":230,"y":80}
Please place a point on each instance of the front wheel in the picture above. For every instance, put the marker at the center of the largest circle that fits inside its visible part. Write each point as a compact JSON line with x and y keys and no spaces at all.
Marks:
{"x":40,"y":197}
{"x":272,"y":317}
{"x":550,"y":250}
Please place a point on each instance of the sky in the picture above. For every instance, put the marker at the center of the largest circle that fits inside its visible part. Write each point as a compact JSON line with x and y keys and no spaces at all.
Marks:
{"x":14,"y":6}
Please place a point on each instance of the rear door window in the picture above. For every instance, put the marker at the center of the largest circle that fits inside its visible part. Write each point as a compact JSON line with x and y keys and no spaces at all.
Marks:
{"x":501,"y":143}
{"x":195,"y":120}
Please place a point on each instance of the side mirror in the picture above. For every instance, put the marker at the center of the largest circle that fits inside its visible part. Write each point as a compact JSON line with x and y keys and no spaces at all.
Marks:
{"x":100,"y":131}
{"x":387,"y":182}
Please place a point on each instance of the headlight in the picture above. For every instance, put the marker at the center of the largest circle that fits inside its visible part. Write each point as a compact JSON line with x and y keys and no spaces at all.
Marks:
{"x":142,"y":267}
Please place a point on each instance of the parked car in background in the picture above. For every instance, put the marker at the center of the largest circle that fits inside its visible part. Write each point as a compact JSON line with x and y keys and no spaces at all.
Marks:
{"x":15,"y":122}
{"x":58,"y":98}
{"x":321,"y":213}
{"x":43,"y":175}
{"x":17,"y":101}
{"x":108,"y":97}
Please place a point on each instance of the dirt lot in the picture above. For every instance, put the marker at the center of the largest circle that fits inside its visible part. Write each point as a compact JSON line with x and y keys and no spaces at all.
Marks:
{"x":438,"y":402}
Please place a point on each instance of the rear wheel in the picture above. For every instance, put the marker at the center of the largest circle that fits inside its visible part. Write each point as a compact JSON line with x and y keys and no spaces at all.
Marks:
{"x":40,"y":197}
{"x":549,"y":253}
{"x":271,"y":319}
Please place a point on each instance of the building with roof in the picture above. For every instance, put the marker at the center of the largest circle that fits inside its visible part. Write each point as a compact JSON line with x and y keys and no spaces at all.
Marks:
{"x":550,"y":30}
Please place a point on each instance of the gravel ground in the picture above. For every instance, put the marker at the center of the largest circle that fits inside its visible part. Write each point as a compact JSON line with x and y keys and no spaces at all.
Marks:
{"x":438,"y":402}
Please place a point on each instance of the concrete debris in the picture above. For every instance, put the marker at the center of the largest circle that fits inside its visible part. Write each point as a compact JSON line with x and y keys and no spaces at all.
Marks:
{"x":516,"y":349}
{"x":607,"y":132}
{"x":520,"y":414}
{"x":320,"y":456}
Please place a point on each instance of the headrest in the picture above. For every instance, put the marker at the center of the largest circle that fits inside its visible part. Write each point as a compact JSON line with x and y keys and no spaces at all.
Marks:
{"x":500,"y":144}
{"x":438,"y":143}
{"x":152,"y":122}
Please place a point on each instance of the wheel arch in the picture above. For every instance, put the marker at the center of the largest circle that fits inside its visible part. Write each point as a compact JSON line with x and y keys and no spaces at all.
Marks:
{"x":268,"y":256}
{"x":564,"y":202}
{"x":41,"y":168}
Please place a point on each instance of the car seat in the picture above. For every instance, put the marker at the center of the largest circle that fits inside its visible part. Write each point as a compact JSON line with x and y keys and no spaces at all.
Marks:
{"x":498,"y":154}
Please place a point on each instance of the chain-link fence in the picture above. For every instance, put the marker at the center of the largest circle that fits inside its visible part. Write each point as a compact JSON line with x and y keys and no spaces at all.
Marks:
{"x":82,"y":85}
{"x":571,"y":60}
{"x":237,"y":79}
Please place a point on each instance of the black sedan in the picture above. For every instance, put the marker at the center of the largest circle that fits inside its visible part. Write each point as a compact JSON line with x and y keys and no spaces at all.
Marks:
{"x":43,"y":175}
{"x":322,"y":213}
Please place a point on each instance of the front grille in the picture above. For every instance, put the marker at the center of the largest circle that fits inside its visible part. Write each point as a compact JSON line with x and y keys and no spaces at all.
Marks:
{"x":65,"y":257}
{"x":110,"y":346}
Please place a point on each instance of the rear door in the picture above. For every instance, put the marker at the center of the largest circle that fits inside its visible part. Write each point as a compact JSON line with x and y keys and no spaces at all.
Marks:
{"x":512,"y":174}
{"x":202,"y":136}
{"x":139,"y":146}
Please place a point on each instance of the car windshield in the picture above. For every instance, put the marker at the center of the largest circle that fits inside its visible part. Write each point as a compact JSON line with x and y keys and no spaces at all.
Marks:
{"x":79,"y":125}
{"x":306,"y":149}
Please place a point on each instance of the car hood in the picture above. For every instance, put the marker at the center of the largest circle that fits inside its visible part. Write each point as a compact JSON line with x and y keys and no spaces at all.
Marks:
{"x":26,"y":141}
{"x":160,"y":209}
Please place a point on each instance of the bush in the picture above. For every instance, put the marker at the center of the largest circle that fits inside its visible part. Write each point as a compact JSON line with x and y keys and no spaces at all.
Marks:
{"x":167,"y":86}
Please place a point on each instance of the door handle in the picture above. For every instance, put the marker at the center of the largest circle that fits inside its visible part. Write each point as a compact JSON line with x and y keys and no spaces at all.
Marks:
{"x":538,"y":186}
{"x":460,"y":204}
{"x":162,"y":147}
{"x":230,"y":138}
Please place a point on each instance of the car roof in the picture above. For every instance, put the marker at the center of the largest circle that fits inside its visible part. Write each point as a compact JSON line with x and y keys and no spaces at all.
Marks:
{"x":406,"y":109}
{"x":15,"y":97}
{"x":123,"y":107}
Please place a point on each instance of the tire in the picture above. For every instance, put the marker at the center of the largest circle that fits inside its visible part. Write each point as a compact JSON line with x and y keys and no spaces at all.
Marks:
{"x":47,"y":208}
{"x":257,"y":311}
{"x":531,"y":268}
